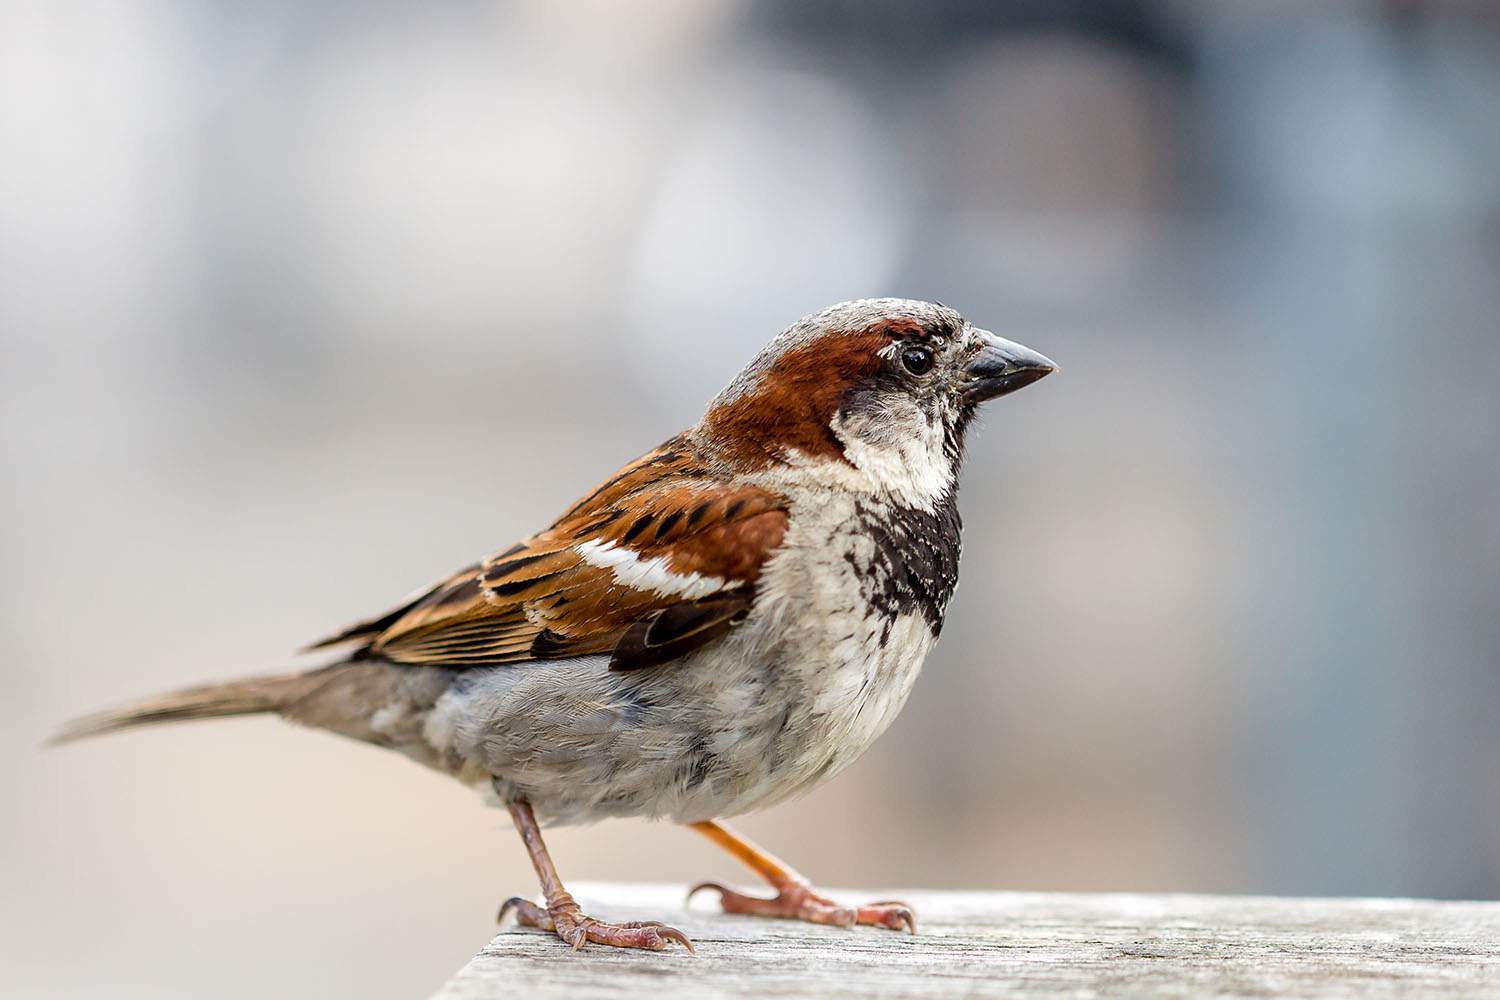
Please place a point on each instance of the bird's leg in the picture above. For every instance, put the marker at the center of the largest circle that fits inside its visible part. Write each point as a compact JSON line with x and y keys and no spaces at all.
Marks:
{"x":794,"y":893}
{"x":562,"y":915}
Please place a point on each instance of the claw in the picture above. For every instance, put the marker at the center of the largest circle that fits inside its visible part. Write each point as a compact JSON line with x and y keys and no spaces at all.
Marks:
{"x":512,"y":903}
{"x":722,"y":890}
{"x":673,"y":934}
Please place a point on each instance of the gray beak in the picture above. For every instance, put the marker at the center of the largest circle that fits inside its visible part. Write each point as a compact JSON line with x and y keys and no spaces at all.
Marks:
{"x":1001,"y":367}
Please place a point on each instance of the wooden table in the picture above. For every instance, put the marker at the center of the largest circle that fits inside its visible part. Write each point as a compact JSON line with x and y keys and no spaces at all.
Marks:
{"x":1016,"y":944}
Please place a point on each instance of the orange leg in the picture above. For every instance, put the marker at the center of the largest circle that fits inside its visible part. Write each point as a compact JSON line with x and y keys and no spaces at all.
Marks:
{"x":795,"y":897}
{"x":563,"y":916}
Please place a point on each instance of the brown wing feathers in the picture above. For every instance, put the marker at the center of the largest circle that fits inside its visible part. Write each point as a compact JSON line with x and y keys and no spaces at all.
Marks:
{"x":654,"y":563}
{"x":374,"y":626}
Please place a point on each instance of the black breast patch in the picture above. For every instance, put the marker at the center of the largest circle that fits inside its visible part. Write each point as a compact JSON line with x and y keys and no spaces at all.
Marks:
{"x":915,"y":563}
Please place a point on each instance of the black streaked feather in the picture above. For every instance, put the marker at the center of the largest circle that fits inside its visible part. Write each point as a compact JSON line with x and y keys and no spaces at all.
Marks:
{"x":914,"y":565}
{"x":638,"y":527}
{"x":512,"y":587}
{"x":668,"y":523}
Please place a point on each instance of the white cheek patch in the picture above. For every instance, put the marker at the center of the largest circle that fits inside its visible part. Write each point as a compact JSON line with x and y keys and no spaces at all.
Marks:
{"x":913,"y":468}
{"x":655,"y":573}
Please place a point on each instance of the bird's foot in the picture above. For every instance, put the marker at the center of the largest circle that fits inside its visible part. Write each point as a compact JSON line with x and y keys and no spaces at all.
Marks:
{"x":567,"y":920}
{"x":798,"y":901}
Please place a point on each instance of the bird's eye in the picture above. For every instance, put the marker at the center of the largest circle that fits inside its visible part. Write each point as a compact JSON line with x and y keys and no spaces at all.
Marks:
{"x":917,"y":359}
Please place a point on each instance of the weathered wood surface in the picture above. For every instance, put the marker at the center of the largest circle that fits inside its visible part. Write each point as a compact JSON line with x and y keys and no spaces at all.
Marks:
{"x":1017,"y":944}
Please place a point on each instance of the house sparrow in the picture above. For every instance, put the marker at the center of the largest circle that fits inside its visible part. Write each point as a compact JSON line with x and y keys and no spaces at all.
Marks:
{"x":724,"y":623}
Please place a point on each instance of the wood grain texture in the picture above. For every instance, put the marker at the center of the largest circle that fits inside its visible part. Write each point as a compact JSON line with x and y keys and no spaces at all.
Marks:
{"x":1015,"y":944}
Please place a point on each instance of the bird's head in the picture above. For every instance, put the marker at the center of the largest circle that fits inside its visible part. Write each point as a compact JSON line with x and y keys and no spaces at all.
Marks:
{"x":873,"y":395}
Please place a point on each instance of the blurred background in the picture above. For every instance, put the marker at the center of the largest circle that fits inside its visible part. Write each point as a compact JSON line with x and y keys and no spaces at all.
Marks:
{"x":305,"y":304}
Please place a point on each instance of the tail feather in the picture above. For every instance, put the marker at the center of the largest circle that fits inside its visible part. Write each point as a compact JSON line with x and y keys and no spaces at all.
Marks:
{"x":211,"y":701}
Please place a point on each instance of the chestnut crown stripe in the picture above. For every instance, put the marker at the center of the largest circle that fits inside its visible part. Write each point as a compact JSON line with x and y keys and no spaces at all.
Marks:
{"x":792,"y":405}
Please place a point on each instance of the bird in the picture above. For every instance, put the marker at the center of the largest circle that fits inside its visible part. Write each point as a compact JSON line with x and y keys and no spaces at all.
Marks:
{"x":726,"y":622}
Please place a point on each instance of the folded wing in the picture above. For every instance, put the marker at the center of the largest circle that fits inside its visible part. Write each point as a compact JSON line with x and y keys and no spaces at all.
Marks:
{"x":656,"y":562}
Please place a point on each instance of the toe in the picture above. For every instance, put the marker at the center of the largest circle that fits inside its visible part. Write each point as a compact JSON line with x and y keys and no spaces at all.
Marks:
{"x":528,"y":914}
{"x":896,"y":916}
{"x":838,"y":916}
{"x":652,"y":935}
